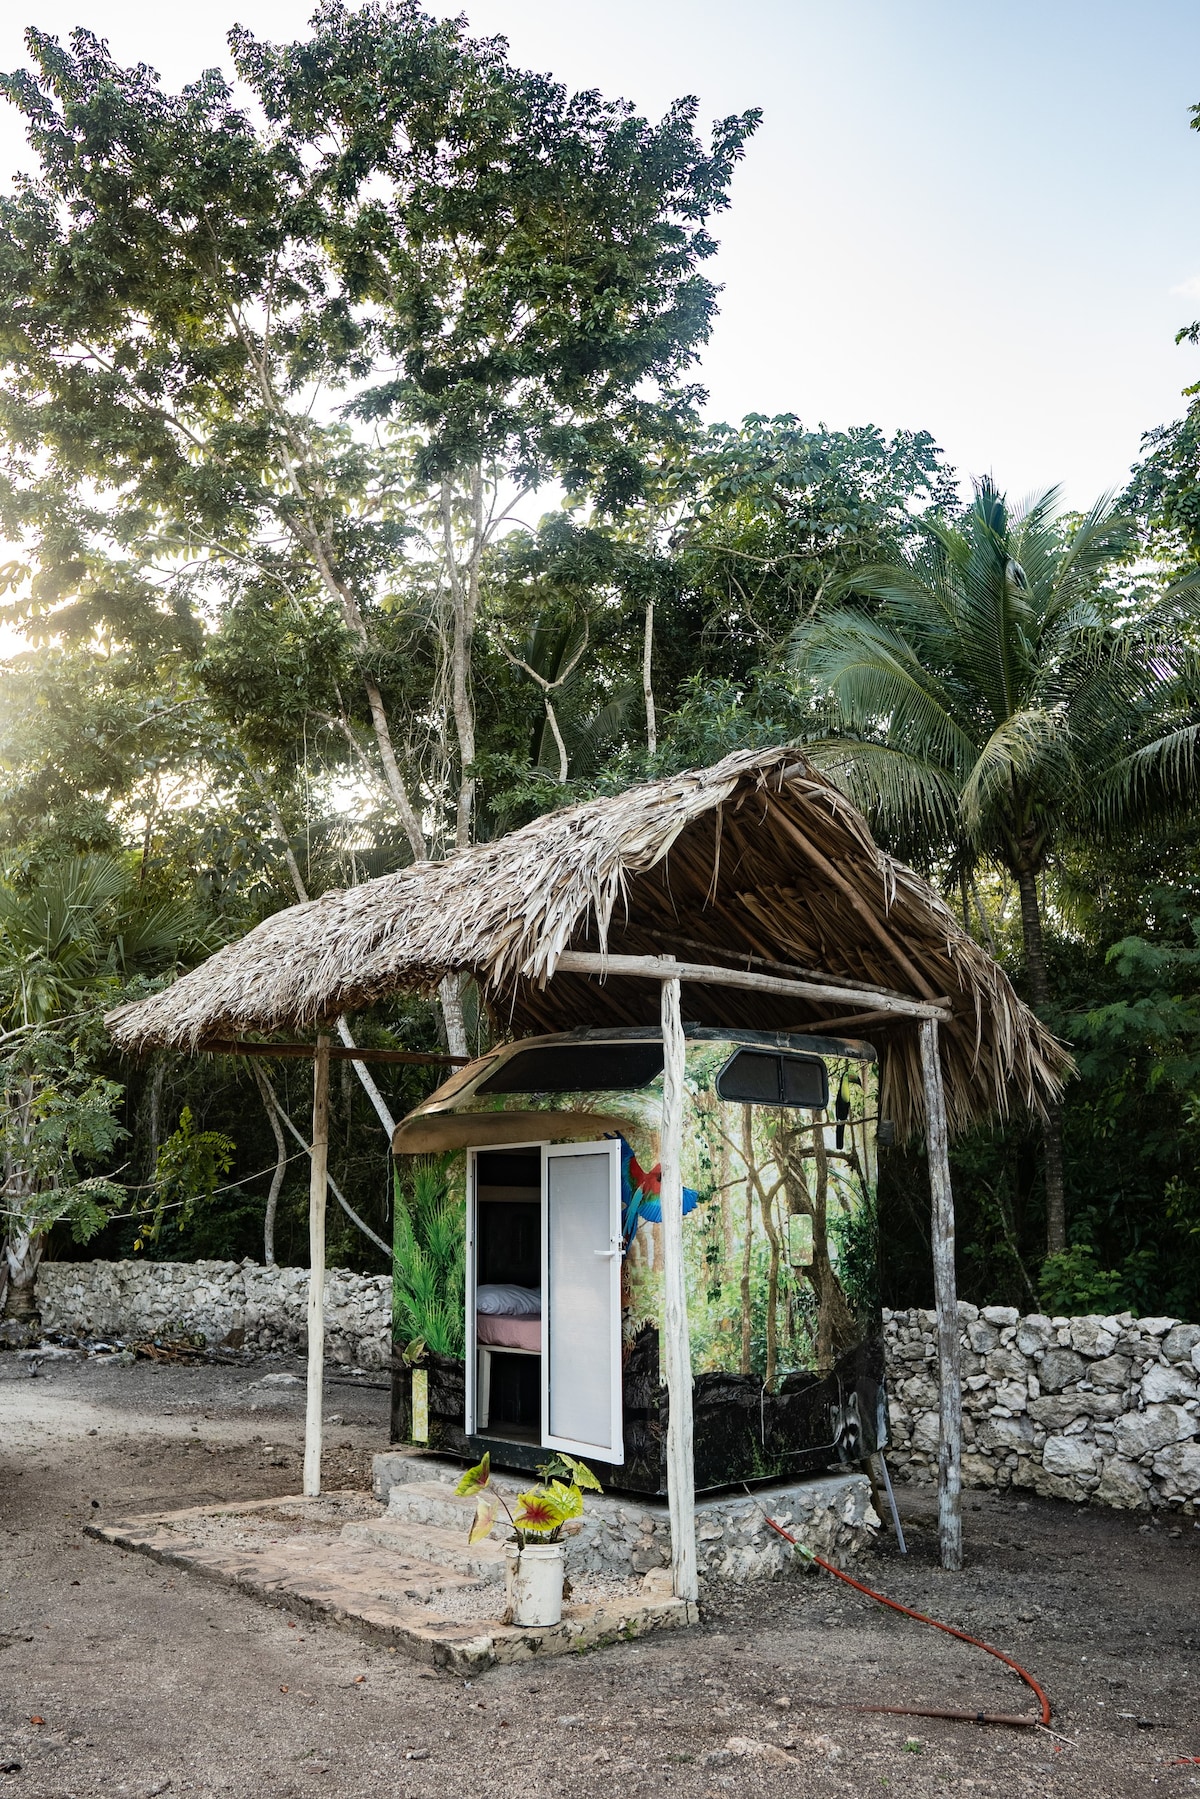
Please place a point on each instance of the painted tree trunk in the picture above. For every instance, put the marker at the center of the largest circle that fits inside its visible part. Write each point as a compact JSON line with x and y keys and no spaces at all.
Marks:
{"x":747,"y":1238}
{"x":676,"y":1346}
{"x":318,"y":1184}
{"x":836,"y":1328}
{"x":945,"y":1293}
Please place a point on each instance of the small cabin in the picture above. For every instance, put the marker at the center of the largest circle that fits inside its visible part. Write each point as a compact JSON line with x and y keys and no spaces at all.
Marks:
{"x":539,"y":1296}
{"x":541,"y":1164}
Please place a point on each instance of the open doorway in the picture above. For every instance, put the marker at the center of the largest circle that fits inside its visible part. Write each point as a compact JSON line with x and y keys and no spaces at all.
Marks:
{"x":544,"y":1298}
{"x":508,"y":1294}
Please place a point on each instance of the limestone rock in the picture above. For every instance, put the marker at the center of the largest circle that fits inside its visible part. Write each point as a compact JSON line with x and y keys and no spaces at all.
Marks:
{"x":925,"y":1433}
{"x":1156,"y":1327}
{"x":1159,"y":1384}
{"x":1000,"y":1315}
{"x":1059,"y":1368}
{"x":1145,"y":1433}
{"x":1055,"y":1413}
{"x":1094,"y":1336}
{"x":1178,"y":1467}
{"x":1056,"y":1486}
{"x":1111,"y":1371}
{"x":1069,"y":1456}
{"x":1122,"y":1484}
{"x":1005,"y":1364}
{"x":982,"y":1337}
{"x":1034,"y":1333}
{"x":1179,"y":1343}
{"x":1005,"y":1434}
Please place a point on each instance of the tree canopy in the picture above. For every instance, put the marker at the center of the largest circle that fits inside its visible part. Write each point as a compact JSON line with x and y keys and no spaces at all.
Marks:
{"x":360,"y":502}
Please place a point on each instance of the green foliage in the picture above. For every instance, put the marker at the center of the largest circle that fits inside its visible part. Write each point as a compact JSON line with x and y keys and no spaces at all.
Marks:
{"x":1073,"y":1281}
{"x":430,"y":1258}
{"x":189,"y":1166}
{"x":542,"y":1513}
{"x":59,"y":1116}
{"x":995,"y":696}
{"x":856,"y":1234}
{"x":275,"y":353}
{"x":80,"y":924}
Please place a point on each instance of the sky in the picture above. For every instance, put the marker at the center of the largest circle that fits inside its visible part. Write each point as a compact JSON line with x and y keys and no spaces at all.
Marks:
{"x":975,"y":220}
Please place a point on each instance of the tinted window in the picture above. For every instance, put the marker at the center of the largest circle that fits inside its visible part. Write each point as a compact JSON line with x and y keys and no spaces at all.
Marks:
{"x":805,"y":1082}
{"x":509,"y":1168}
{"x":752,"y":1077}
{"x":576,"y":1068}
{"x":760,"y":1078}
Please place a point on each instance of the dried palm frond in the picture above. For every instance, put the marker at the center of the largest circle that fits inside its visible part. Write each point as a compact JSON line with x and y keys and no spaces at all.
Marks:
{"x":758,"y":861}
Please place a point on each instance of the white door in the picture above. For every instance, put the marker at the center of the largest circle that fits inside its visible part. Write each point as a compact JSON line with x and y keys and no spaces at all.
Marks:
{"x":581,"y":1299}
{"x":472,"y":1354}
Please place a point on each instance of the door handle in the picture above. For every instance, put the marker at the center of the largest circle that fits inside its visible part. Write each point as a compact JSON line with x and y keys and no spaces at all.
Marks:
{"x":607,"y":1254}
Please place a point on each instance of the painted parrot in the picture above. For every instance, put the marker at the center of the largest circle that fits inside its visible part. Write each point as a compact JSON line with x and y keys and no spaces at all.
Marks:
{"x":641,"y":1195}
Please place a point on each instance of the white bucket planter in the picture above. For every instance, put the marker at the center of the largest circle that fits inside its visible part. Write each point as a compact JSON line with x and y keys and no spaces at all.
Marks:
{"x":535,"y":1582}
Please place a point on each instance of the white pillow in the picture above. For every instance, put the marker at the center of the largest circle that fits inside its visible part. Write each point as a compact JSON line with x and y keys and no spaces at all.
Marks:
{"x":494,"y":1299}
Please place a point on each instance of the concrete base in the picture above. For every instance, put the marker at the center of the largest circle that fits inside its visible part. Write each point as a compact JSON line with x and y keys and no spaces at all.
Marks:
{"x":831,"y":1514}
{"x":336,"y":1558}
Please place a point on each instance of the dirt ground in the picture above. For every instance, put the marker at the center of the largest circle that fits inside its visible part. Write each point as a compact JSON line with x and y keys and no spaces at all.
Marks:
{"x":147,"y":1682}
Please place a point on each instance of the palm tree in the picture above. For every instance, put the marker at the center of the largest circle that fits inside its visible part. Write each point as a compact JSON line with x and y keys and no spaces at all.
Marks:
{"x":993,"y":699}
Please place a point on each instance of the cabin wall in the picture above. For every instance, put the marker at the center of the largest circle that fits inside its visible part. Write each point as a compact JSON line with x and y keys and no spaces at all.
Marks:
{"x":779,"y":1248}
{"x":765,"y":1298}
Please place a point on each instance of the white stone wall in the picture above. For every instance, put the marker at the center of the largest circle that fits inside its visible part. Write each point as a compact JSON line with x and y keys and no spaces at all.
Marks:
{"x":242,"y":1305}
{"x":1102,"y":1408}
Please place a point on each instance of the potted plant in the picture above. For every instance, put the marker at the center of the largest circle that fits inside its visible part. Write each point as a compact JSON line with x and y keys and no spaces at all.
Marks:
{"x":536,"y":1554}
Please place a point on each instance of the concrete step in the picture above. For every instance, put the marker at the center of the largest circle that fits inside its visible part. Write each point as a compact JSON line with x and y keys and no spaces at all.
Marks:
{"x":405,"y":1464}
{"x":435,"y":1502}
{"x":408,"y":1467}
{"x":420,"y":1545}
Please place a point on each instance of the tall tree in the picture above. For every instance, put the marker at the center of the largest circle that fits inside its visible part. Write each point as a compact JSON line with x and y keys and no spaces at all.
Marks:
{"x":993,"y":698}
{"x":313,"y":352}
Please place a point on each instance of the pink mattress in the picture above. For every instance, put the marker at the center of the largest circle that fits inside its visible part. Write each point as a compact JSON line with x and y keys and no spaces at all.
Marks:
{"x":501,"y":1331}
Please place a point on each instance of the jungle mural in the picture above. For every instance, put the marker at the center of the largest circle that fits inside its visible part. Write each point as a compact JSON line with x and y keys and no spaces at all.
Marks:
{"x":779,"y":1209}
{"x":779,"y":1254}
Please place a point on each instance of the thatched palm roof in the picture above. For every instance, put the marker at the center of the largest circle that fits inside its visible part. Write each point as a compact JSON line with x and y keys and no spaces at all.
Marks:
{"x":758,"y":858}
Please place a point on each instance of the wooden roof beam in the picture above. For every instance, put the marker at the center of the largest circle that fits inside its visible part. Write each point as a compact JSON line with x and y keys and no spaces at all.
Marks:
{"x":666,"y":968}
{"x":335,"y":1052}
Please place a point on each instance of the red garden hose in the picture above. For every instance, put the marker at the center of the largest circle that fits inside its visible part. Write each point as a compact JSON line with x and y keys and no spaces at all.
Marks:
{"x":912,"y":1711}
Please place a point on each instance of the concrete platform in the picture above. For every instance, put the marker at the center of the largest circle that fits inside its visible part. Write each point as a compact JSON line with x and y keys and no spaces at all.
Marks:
{"x":623,"y":1535}
{"x":420,"y":1589}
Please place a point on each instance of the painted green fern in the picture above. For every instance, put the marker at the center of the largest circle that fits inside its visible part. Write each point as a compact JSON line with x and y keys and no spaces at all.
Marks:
{"x":430,"y":1259}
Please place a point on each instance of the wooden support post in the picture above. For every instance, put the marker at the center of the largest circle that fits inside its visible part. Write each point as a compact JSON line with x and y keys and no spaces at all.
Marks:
{"x":945,"y":1294}
{"x":318,"y":1183}
{"x":676,"y":1347}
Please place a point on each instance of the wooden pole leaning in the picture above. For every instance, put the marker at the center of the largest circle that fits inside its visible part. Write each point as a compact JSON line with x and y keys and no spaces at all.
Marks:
{"x":946,"y":1302}
{"x":318,"y":1184}
{"x":676,"y":1347}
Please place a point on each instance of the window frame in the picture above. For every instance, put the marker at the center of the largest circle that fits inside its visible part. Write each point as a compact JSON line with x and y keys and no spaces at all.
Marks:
{"x":780,"y":1056}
